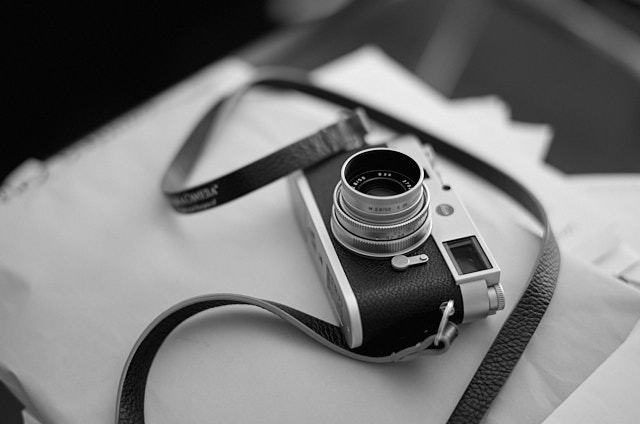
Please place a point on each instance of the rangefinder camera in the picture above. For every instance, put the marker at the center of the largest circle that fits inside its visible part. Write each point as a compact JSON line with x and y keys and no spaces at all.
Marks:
{"x":393,"y":243}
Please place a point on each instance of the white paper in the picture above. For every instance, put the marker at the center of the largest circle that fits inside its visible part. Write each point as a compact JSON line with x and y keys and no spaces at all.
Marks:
{"x":610,"y":393}
{"x":530,"y":140}
{"x":93,"y":253}
{"x":616,"y":196}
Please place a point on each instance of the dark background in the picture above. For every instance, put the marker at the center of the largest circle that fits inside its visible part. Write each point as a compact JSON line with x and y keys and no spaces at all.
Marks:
{"x":71,"y":66}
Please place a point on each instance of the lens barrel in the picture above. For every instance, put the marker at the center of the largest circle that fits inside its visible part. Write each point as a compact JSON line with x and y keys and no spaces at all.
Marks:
{"x":380,"y":205}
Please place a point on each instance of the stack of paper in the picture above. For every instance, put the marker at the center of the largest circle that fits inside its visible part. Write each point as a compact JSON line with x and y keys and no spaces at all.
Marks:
{"x":92,"y":253}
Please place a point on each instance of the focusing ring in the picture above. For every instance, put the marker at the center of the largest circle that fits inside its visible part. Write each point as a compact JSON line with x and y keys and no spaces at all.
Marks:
{"x":378,"y":218}
{"x":385,"y":231}
{"x":378,"y":248}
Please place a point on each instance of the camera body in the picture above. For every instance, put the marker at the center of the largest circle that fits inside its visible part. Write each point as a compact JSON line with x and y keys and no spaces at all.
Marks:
{"x":393,"y":244}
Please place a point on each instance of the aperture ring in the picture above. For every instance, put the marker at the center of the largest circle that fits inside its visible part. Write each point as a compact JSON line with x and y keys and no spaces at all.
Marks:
{"x":376,"y":217}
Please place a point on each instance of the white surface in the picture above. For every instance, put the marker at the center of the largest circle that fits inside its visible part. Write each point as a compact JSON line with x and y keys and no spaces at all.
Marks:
{"x":610,"y":393}
{"x":91,"y":253}
{"x":617,"y":197}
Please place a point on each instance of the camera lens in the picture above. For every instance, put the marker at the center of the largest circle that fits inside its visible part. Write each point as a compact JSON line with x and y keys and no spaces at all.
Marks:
{"x":379,"y":184}
{"x":381,"y":206}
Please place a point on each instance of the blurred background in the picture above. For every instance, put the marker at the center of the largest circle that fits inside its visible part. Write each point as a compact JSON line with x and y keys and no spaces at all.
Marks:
{"x":70,"y":67}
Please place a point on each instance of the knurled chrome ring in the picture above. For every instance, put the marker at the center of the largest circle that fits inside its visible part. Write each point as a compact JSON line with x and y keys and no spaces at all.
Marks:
{"x":377,"y":217}
{"x":496,"y":298}
{"x":380,"y":232}
{"x":380,"y":248}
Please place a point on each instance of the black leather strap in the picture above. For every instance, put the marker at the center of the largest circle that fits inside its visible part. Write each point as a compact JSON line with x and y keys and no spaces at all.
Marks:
{"x":512,"y":338}
{"x":495,"y":367}
{"x":347,"y":134}
{"x":132,"y":386}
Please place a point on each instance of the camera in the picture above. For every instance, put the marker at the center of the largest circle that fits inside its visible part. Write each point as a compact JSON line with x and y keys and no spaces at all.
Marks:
{"x":393,"y":244}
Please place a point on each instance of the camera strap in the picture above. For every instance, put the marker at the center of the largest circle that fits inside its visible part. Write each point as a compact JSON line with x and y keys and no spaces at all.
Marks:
{"x":346,"y":134}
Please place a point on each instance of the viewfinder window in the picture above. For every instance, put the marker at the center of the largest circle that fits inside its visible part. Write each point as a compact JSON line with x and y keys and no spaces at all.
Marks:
{"x":467,"y":255}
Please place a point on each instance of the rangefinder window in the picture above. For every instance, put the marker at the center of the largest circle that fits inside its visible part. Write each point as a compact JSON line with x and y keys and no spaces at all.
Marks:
{"x":467,"y":255}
